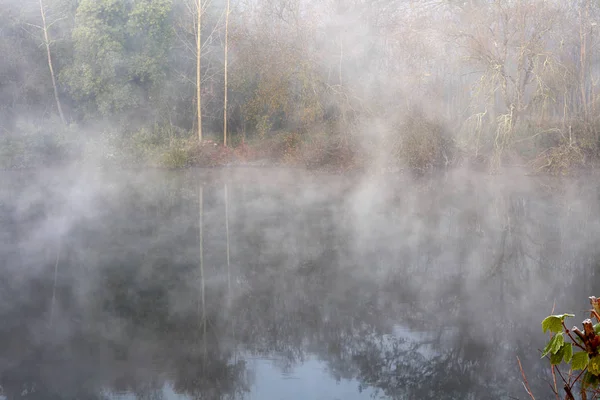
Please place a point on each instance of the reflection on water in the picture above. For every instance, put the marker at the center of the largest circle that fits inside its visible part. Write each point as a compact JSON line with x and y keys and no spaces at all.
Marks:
{"x":275,"y":285}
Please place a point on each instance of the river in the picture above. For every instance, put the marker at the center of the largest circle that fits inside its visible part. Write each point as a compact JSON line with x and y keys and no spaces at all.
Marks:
{"x":279,"y":284}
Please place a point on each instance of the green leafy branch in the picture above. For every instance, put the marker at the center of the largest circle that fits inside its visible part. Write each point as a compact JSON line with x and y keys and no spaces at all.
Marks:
{"x":578,"y":349}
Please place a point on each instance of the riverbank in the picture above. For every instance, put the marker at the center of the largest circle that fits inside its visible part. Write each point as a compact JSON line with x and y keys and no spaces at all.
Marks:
{"x":148,"y":150}
{"x":422,"y":155}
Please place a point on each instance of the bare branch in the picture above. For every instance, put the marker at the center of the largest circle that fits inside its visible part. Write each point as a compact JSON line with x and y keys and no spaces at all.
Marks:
{"x":525,"y":383}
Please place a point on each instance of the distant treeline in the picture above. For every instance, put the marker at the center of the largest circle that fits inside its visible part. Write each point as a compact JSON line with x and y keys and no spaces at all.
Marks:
{"x":421,"y":84}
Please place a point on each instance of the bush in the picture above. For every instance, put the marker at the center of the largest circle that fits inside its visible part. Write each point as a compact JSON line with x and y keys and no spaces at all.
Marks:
{"x":424,"y":144}
{"x":158,"y":146}
{"x":330,"y":152}
{"x":280,"y":146}
{"x":36,"y":145}
{"x":176,"y":156}
{"x":145,"y":145}
{"x":575,"y":146}
{"x":559,"y":160}
{"x":208,"y":153}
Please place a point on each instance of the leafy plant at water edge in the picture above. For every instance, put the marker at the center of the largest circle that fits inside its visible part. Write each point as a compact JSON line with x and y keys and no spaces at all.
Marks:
{"x":578,"y":349}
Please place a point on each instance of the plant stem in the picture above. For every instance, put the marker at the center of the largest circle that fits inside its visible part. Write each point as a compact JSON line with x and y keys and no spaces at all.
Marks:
{"x":525,"y":383}
{"x":572,"y":338}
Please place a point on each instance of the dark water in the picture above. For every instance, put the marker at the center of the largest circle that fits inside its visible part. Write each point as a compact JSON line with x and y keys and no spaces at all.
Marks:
{"x":263,"y":284}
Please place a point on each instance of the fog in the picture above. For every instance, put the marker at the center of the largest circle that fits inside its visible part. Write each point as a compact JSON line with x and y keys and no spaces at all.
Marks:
{"x":404,"y":287}
{"x":408,"y":189}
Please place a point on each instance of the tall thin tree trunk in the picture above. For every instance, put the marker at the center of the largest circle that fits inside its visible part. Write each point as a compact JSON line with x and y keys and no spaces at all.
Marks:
{"x":198,"y":58}
{"x":225,"y":79}
{"x":582,"y":64}
{"x":584,"y":26}
{"x":47,"y":44}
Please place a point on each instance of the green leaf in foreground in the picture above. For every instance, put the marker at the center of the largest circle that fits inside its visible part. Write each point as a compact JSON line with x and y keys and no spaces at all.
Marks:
{"x":580,"y":360}
{"x":589,"y":380}
{"x":564,"y":353}
{"x":554,"y":345}
{"x":553,"y":323}
{"x":557,"y":357}
{"x":594,"y":365}
{"x":568,"y":352}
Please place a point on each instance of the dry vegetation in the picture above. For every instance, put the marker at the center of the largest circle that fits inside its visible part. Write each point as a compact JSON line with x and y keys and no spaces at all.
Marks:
{"x":489,"y":83}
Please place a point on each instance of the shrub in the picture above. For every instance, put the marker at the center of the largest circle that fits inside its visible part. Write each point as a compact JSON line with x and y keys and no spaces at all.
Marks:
{"x":176,"y":156}
{"x":209,"y":153}
{"x":280,"y":146}
{"x":559,"y":160}
{"x":424,"y":144}
{"x":331,"y":152}
{"x":36,"y":145}
{"x":145,"y":144}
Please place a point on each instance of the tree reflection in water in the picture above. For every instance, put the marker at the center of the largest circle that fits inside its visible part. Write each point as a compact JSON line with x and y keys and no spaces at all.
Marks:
{"x":413,"y":296}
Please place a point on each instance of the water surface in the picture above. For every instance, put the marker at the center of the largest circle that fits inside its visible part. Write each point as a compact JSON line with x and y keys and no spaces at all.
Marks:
{"x":275,"y":284}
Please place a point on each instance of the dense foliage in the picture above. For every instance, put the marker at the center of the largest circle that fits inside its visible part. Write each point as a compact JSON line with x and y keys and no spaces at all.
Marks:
{"x":420,"y":85}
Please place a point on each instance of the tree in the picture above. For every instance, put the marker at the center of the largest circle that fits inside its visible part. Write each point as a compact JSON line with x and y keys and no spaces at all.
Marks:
{"x":225,"y":77}
{"x":278,"y":86}
{"x":120,"y":55}
{"x":24,"y":83}
{"x":198,"y":60}
{"x":509,"y":41}
{"x":45,"y":27}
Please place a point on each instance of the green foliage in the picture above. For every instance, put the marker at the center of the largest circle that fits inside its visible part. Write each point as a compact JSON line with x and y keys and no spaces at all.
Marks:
{"x":554,"y":345}
{"x":148,"y":28}
{"x":119,"y":53}
{"x":145,"y":144}
{"x":590,"y":380}
{"x":176,"y":156}
{"x":560,"y":346}
{"x":517,"y":100}
{"x":594,"y":365}
{"x":565,"y":352}
{"x":554,"y":323}
{"x":263,"y":126}
{"x":36,"y":144}
{"x":159,"y":145}
{"x":580,"y":361}
{"x":278,"y":85}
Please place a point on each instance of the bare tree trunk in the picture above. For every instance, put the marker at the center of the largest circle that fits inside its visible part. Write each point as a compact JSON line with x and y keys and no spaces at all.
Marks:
{"x":47,"y":44}
{"x":198,"y":58}
{"x":583,"y":57}
{"x":225,"y":89}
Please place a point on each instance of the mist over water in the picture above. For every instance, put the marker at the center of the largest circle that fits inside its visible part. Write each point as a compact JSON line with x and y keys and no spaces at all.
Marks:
{"x":405,"y":275}
{"x":385,"y":286}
